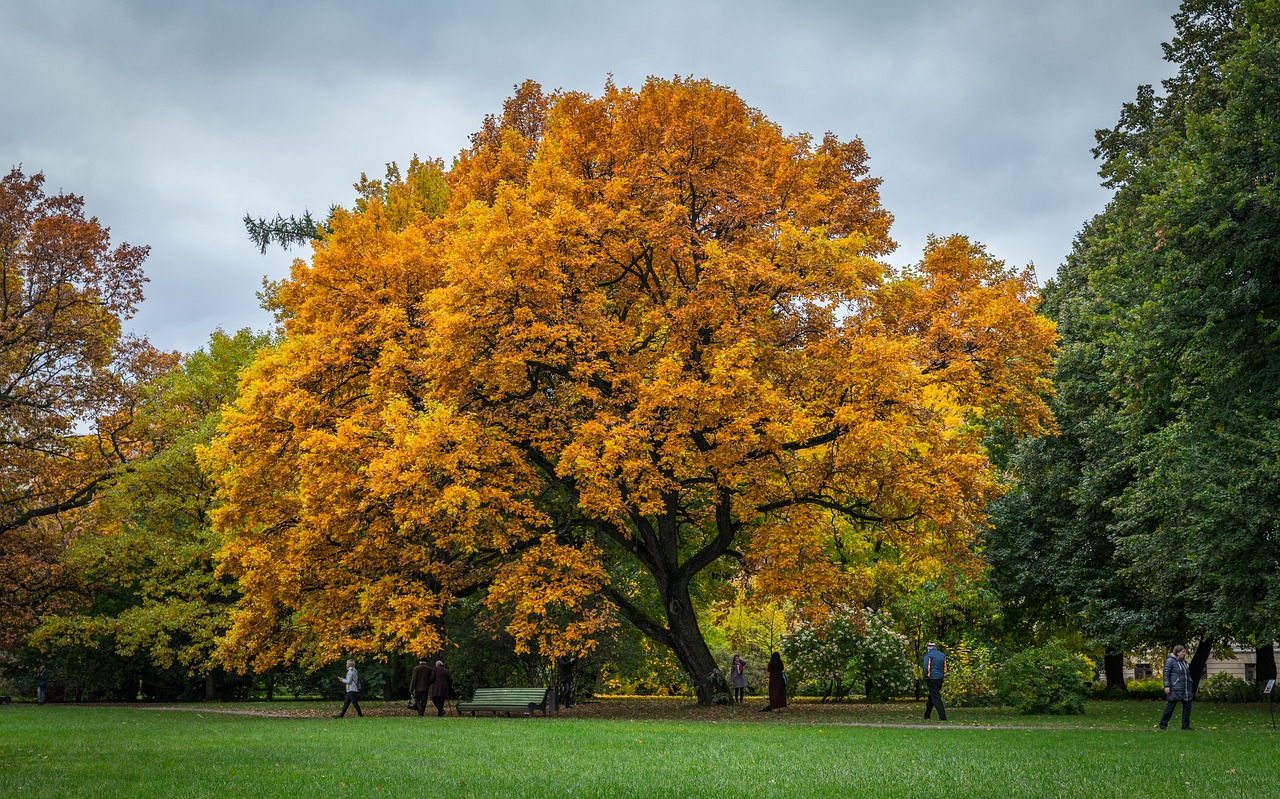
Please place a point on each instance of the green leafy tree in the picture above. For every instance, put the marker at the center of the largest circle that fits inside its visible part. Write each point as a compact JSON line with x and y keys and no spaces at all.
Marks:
{"x":1166,"y":485}
{"x":146,"y":557}
{"x":1196,"y":357}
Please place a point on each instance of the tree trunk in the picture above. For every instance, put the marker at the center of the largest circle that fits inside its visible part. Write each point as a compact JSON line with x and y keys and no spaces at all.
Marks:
{"x":397,"y":686}
{"x":710,"y":684}
{"x":656,"y":545}
{"x":1113,"y":665}
{"x":1198,"y":661}
{"x":1265,"y":657}
{"x":210,"y":687}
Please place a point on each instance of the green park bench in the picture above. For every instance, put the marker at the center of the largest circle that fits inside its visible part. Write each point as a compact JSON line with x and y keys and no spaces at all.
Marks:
{"x":506,"y":700}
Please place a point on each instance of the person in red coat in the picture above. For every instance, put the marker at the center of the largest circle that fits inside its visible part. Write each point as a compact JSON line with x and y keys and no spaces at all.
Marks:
{"x":777,"y":684}
{"x":441,"y":685}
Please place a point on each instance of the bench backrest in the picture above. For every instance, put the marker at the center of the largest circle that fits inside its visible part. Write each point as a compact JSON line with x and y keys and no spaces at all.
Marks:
{"x":514,"y":695}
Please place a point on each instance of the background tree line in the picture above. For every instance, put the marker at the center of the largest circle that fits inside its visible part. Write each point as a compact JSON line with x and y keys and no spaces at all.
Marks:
{"x":627,"y":380}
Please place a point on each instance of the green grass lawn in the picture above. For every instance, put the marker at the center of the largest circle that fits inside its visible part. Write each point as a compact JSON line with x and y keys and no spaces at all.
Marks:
{"x":84,"y":751}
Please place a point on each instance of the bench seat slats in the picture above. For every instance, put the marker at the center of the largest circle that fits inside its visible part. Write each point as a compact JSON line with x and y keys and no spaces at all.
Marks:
{"x":506,"y":700}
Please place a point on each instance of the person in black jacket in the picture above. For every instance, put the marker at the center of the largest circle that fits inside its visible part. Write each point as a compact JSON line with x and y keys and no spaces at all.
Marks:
{"x":564,"y":674}
{"x":419,"y":684}
{"x":1177,"y":687}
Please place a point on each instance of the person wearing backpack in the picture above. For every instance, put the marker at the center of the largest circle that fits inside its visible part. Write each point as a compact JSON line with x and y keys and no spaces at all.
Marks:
{"x":352,"y":682}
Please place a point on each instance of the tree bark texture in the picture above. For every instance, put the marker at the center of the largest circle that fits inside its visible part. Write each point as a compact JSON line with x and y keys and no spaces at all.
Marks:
{"x":1198,"y":661}
{"x":1113,"y":666}
{"x":1265,"y":657}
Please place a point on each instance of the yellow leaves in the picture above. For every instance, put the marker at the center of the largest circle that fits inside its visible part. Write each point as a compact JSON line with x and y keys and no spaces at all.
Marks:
{"x":398,"y":611}
{"x":978,"y":331}
{"x":649,"y":316}
{"x":550,"y":598}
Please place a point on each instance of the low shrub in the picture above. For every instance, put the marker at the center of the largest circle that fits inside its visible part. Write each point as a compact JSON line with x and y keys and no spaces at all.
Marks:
{"x":1227,"y":688}
{"x":972,"y":671}
{"x":1047,"y":679}
{"x":1133,"y":689}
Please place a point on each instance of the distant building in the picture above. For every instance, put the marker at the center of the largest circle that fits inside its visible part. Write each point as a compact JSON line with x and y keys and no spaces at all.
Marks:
{"x":1242,"y":664}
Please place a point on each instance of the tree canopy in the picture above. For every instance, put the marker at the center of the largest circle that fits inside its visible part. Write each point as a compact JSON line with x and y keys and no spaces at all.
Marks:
{"x":145,"y":553}
{"x":1168,"y":377}
{"x":645,"y":345}
{"x":68,"y":380}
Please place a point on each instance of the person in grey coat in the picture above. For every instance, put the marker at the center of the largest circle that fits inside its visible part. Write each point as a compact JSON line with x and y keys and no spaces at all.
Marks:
{"x":1177,"y":687}
{"x":352,"y":684}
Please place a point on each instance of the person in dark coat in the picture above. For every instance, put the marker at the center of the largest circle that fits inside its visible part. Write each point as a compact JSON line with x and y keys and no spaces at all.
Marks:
{"x":441,"y":686}
{"x":42,"y":682}
{"x":564,"y":673}
{"x":419,"y":684}
{"x":738,"y":677}
{"x":934,"y":670}
{"x":777,"y":684}
{"x":1177,"y":687}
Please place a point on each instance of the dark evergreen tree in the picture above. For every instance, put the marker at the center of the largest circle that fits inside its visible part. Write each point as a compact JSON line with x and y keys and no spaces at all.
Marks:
{"x":1153,"y":516}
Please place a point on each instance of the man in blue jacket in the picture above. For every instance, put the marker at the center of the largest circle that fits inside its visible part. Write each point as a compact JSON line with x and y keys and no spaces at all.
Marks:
{"x":934,"y":668}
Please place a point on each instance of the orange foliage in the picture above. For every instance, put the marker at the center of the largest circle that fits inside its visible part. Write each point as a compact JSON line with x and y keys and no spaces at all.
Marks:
{"x":650,"y":322}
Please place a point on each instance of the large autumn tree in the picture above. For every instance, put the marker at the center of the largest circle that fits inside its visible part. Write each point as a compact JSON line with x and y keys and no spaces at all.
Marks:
{"x":69,"y":380}
{"x":644,"y":345}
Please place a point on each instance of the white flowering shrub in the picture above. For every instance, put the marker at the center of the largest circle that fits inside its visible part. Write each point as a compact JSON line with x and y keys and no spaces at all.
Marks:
{"x":880,"y":664}
{"x":853,"y":649}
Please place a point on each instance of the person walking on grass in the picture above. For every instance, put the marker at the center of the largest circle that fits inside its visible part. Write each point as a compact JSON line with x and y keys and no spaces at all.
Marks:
{"x":777,"y":684}
{"x":1177,"y":687}
{"x":935,"y":669}
{"x":441,"y":685}
{"x":419,"y":684}
{"x":352,"y":683}
{"x":42,"y":682}
{"x":738,"y":677}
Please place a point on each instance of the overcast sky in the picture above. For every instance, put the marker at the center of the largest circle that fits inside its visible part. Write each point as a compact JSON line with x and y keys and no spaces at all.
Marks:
{"x":173,"y":118}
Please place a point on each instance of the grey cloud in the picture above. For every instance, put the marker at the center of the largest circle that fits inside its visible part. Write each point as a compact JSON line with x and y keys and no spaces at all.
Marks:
{"x":174,"y":118}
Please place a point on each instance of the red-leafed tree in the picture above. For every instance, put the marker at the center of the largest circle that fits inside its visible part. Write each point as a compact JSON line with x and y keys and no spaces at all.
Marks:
{"x":68,"y":380}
